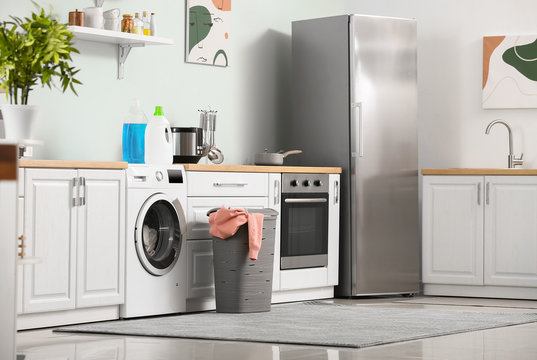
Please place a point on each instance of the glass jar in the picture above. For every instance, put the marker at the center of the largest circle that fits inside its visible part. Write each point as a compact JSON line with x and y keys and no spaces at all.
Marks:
{"x":127,"y":24}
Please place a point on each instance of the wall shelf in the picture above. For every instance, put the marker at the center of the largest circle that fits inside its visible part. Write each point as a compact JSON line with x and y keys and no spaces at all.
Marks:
{"x":125,"y":41}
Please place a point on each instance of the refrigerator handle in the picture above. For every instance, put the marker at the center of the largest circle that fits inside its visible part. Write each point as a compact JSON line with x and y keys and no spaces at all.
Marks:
{"x":354,"y":106}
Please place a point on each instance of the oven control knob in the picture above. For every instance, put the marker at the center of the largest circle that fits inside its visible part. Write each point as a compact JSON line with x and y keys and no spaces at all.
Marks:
{"x":159,"y":175}
{"x":294,"y":182}
{"x":318,"y":183}
{"x":306,"y":183}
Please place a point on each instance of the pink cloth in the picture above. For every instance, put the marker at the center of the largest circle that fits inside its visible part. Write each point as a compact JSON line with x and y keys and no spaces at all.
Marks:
{"x":226,"y":222}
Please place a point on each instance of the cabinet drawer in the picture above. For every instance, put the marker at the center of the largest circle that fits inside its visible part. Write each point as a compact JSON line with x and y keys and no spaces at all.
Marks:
{"x":227,"y":184}
{"x":198,"y":221}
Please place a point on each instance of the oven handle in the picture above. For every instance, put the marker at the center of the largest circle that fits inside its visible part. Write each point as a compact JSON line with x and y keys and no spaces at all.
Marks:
{"x":305,"y":201}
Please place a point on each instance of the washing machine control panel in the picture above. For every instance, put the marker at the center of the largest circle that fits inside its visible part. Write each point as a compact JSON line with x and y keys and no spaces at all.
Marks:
{"x":159,"y":176}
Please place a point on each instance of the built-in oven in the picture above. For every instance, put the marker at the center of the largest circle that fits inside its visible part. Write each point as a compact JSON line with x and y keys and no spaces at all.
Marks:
{"x":304,"y":221}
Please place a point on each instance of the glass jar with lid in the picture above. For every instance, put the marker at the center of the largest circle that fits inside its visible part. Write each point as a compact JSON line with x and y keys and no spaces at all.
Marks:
{"x":127,"y":24}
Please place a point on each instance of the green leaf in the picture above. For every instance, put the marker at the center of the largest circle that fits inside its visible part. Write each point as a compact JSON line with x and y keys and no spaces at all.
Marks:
{"x":32,"y":49}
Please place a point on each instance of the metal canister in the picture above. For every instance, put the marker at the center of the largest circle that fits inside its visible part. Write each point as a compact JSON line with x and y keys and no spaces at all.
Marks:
{"x":76,"y":18}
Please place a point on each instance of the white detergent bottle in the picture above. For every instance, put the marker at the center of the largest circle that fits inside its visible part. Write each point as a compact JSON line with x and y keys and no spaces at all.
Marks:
{"x":158,"y":140}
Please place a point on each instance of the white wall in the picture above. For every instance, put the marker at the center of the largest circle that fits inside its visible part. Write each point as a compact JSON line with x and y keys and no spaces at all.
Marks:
{"x":451,"y":119}
{"x":251,"y":96}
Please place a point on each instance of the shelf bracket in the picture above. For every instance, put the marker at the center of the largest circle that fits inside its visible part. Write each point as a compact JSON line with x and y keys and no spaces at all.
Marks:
{"x":124,"y":50}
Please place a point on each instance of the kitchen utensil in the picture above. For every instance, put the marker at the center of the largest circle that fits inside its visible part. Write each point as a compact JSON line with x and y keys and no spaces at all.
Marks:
{"x":203,"y":126}
{"x":187,"y":145}
{"x":208,"y":127}
{"x":94,"y":17}
{"x":214,"y":154}
{"x":266,"y":158}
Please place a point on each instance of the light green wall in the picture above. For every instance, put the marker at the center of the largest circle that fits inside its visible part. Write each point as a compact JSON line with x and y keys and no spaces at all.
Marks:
{"x":252,"y":96}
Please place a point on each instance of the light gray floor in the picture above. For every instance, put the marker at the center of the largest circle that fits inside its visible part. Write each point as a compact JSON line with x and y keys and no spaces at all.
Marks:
{"x":513,"y":342}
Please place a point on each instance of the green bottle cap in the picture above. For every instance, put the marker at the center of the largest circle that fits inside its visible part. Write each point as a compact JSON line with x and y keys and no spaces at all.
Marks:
{"x":158,"y":111}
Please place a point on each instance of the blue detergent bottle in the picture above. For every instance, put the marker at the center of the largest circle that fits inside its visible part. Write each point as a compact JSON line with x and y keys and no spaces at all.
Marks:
{"x":134,"y":134}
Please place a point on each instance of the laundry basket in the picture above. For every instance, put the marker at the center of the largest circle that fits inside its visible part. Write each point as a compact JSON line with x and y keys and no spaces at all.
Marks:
{"x":243,"y":285}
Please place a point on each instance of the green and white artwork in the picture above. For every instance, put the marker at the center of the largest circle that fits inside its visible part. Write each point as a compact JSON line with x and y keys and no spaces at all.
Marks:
{"x":509,"y":72}
{"x":208,"y":32}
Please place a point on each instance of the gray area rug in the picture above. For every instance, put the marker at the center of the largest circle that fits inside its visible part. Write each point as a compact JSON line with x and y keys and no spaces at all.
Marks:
{"x":312,"y":323}
{"x":458,"y":301}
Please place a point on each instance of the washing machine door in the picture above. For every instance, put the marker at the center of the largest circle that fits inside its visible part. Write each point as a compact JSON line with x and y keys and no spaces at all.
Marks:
{"x":158,"y":234}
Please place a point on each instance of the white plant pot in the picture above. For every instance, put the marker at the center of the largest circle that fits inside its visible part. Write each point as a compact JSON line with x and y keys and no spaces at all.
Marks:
{"x":19,"y":121}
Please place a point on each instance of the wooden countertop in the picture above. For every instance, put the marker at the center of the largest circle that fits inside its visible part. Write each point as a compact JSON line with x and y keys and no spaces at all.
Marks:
{"x":8,"y":162}
{"x":478,"y":171}
{"x":67,"y":164}
{"x":263,"y":168}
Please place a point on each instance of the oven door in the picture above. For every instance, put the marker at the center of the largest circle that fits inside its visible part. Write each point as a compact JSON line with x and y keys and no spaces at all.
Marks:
{"x":304,"y":230}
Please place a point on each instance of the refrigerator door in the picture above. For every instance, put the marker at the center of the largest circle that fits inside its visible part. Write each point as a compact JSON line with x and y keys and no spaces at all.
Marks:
{"x":384,"y":164}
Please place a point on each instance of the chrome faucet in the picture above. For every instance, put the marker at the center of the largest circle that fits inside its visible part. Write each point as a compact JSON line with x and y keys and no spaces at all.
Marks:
{"x":512,"y":160}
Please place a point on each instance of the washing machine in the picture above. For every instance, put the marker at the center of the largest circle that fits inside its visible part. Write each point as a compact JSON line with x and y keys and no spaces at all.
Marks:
{"x":155,"y":263}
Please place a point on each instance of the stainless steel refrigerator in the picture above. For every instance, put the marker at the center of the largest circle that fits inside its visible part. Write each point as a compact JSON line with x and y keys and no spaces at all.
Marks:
{"x":355,"y":106}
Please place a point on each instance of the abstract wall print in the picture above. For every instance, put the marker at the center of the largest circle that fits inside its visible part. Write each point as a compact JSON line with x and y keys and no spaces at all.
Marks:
{"x":509,"y":72}
{"x":208,"y":28}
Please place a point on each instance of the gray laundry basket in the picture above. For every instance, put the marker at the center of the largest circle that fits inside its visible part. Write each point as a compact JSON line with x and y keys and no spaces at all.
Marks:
{"x":243,"y":285}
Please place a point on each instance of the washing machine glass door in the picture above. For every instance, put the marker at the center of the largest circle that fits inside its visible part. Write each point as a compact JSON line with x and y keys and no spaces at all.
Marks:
{"x":158,"y":234}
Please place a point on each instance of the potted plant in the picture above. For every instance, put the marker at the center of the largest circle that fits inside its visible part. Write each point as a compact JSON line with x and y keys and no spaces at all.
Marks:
{"x":32,"y":50}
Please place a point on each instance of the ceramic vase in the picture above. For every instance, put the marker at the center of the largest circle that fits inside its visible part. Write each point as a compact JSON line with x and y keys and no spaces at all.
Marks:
{"x":19,"y":121}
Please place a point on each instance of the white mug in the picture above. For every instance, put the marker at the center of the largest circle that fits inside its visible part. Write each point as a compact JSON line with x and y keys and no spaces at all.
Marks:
{"x":94,"y":17}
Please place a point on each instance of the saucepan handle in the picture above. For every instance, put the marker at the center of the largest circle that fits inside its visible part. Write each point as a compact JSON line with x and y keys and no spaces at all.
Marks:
{"x":292,"y":152}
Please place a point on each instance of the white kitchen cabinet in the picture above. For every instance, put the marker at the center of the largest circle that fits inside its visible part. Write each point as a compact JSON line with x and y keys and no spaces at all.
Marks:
{"x":200,"y":277}
{"x":511,"y":231}
{"x":206,"y":191}
{"x":100,"y":241}
{"x":50,"y":231}
{"x":480,"y":232}
{"x":453,"y":230}
{"x":74,"y":222}
{"x":236,"y":184}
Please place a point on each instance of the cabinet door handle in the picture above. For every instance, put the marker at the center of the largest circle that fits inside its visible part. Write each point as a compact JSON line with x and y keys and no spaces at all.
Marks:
{"x":276,"y":192}
{"x":82,"y":189}
{"x":336,"y":192}
{"x":218,"y":184}
{"x":22,"y":246}
{"x":75,"y":192}
{"x":479,"y":194}
{"x":487,"y":195}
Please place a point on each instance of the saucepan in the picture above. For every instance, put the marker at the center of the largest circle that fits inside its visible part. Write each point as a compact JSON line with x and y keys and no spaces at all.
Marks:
{"x":266,"y":158}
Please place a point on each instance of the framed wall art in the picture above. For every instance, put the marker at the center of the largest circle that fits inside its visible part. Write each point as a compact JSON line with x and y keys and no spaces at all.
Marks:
{"x":510,"y":72}
{"x":208,"y":26}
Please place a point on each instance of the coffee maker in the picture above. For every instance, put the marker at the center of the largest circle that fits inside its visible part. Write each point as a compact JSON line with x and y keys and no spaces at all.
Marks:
{"x":187,"y":145}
